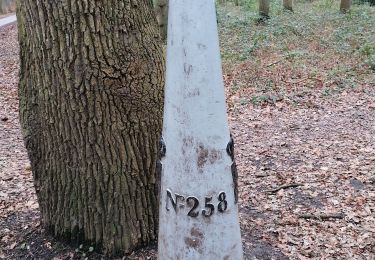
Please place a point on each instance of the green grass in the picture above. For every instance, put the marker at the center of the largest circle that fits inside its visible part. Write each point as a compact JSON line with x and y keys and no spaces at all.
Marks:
{"x":348,"y":33}
{"x":316,"y":42}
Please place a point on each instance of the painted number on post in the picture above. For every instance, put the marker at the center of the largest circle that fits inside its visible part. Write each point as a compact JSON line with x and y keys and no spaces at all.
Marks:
{"x":179,"y":201}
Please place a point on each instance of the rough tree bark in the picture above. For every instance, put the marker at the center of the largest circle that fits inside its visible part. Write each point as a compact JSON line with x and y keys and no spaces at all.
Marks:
{"x":264,"y":8}
{"x":345,"y":6}
{"x":91,"y":99}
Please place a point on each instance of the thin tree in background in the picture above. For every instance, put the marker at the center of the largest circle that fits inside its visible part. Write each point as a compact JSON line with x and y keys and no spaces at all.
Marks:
{"x":91,"y":101}
{"x":288,"y":5}
{"x":7,"y":6}
{"x":161,"y":9}
{"x":264,"y":9}
{"x":345,"y":6}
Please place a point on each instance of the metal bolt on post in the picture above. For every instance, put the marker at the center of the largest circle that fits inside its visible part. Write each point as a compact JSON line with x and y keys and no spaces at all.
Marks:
{"x":198,"y":193}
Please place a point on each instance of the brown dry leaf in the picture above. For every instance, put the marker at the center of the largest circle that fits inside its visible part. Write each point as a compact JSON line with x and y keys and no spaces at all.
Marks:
{"x":28,"y":167}
{"x":13,"y":245}
{"x":2,"y":255}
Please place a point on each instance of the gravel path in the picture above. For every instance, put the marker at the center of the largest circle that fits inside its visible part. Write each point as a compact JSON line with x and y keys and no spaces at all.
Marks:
{"x":8,"y":20}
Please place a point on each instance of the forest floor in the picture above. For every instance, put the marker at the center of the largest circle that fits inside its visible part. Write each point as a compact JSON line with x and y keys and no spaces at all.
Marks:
{"x":301,"y":100}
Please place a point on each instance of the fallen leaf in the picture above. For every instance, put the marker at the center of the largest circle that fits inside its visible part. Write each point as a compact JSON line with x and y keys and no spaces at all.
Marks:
{"x":12,"y":246}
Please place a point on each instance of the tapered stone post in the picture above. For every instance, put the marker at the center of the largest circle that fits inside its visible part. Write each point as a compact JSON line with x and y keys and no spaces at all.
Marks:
{"x":198,"y":194}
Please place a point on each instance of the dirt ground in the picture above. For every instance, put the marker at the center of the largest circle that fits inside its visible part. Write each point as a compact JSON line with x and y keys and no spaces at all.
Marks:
{"x":307,"y":176}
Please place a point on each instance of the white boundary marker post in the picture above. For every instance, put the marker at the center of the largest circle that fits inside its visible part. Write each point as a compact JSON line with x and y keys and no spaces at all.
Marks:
{"x":198,"y":194}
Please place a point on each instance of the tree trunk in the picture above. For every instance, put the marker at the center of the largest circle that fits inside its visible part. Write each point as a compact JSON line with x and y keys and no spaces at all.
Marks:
{"x":345,"y":6}
{"x":264,"y":8}
{"x":161,"y":9}
{"x":288,"y":5}
{"x":91,"y":100}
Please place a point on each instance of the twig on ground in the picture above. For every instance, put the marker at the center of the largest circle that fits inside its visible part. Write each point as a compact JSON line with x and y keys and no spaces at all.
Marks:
{"x":261,"y":175}
{"x":304,"y":79}
{"x":322,"y":216}
{"x":282,"y":187}
{"x":273,"y":63}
